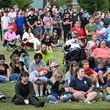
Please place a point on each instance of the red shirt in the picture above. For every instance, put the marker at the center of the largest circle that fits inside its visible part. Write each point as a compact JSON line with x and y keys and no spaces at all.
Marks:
{"x":89,"y":72}
{"x":14,"y":26}
{"x":80,"y":32}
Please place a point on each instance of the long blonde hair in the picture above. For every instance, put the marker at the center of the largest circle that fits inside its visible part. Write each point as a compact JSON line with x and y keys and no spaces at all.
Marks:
{"x":56,"y":74}
{"x":13,"y":63}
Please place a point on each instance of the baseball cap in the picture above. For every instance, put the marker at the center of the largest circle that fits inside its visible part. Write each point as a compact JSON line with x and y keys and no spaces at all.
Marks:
{"x":54,"y":64}
{"x":55,"y":31}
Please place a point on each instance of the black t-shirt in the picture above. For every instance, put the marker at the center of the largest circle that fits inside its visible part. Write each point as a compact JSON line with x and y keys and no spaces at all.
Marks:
{"x":24,"y":90}
{"x":17,"y":69}
{"x":31,"y":19}
{"x":67,"y":26}
{"x":47,"y":42}
{"x":54,"y":40}
{"x":4,"y":72}
{"x":18,"y":52}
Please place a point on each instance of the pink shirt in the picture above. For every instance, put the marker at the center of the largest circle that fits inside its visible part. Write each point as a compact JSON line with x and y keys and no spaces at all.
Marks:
{"x":47,"y":22}
{"x":103,"y":53}
{"x":10,"y":36}
{"x":12,"y":14}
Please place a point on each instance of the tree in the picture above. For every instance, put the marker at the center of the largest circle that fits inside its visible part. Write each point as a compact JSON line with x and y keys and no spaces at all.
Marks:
{"x":5,"y":3}
{"x":92,"y":5}
{"x":63,"y":2}
{"x":21,"y":3}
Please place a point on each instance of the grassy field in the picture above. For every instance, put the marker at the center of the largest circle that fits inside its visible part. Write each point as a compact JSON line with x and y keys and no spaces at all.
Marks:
{"x":8,"y":90}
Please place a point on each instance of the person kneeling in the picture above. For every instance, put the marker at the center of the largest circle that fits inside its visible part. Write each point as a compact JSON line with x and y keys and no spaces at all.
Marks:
{"x":24,"y":92}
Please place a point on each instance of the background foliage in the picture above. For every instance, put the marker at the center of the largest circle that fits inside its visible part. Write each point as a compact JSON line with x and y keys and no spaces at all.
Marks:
{"x":92,"y":5}
{"x":23,"y":4}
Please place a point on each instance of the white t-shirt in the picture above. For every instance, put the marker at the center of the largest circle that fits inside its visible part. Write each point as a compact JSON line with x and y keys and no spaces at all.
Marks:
{"x":72,"y":43}
{"x":5,"y":20}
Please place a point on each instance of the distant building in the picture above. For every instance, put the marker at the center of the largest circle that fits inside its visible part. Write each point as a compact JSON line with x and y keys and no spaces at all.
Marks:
{"x":74,"y":2}
{"x":41,"y":3}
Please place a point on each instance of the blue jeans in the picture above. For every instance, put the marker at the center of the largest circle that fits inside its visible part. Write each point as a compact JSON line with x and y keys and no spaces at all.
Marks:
{"x":25,"y":60}
{"x":55,"y":97}
{"x":108,"y":98}
{"x":2,"y":80}
{"x":14,"y":77}
{"x":39,"y":30}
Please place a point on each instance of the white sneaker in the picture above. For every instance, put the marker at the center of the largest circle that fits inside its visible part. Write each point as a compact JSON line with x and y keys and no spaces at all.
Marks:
{"x":41,"y":94}
{"x":37,"y":95}
{"x":51,"y":102}
{"x":88,"y":102}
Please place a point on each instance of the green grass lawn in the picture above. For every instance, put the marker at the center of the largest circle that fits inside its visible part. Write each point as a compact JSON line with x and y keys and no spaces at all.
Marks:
{"x":8,"y":90}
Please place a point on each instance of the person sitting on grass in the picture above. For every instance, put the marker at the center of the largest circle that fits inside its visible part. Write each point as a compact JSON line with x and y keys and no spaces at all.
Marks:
{"x":39,"y":80}
{"x":90,"y":73}
{"x":57,"y":91}
{"x":46,"y":40}
{"x":81,"y":87}
{"x":29,"y":37}
{"x":17,"y":67}
{"x":37,"y":63}
{"x":102,"y":71}
{"x":23,"y":54}
{"x":108,"y":88}
{"x":4,"y":70}
{"x":24,"y":92}
{"x":10,"y":36}
{"x":71,"y":73}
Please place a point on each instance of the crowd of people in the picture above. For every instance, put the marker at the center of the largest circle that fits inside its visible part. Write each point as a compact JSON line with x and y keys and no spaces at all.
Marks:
{"x":85,"y":42}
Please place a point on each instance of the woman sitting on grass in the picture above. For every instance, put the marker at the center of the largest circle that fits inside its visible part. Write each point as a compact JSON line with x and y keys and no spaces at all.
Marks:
{"x":57,"y":89}
{"x":29,"y":37}
{"x":71,"y":73}
{"x":17,"y":67}
{"x":102,"y":71}
{"x":4,"y":70}
{"x":39,"y":80}
{"x":108,"y":88}
{"x":81,"y":87}
{"x":24,"y":92}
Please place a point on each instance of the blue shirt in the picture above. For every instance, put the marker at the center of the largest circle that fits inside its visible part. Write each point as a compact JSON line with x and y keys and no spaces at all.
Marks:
{"x":81,"y":85}
{"x":108,"y":83}
{"x":19,"y":22}
{"x":104,"y":69}
{"x":99,"y":26}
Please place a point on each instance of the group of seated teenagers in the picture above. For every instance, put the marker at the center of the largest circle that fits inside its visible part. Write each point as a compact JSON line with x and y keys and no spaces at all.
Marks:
{"x":42,"y":77}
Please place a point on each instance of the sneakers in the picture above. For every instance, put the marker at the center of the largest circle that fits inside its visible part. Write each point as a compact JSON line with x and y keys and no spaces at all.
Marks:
{"x":37,"y":95}
{"x":88,"y":102}
{"x":54,"y":102}
{"x":40,"y":104}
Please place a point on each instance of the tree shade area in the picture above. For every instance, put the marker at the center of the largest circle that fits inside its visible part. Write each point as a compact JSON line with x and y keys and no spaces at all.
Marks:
{"x":23,"y":4}
{"x":92,"y":5}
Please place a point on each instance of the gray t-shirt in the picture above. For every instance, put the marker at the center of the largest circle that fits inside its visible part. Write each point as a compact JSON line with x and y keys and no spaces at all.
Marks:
{"x":33,"y":66}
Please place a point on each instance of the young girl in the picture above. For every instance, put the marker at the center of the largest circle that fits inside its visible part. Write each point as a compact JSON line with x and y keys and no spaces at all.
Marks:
{"x":4,"y":70}
{"x":39,"y":80}
{"x":71,"y":73}
{"x":57,"y":91}
{"x":24,"y":92}
{"x":17,"y":67}
{"x":102,"y":71}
